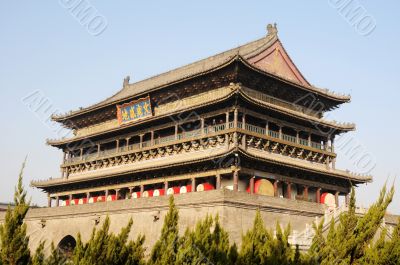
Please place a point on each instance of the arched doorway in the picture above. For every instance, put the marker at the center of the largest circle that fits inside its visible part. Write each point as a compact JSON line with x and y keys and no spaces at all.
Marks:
{"x":67,"y":245}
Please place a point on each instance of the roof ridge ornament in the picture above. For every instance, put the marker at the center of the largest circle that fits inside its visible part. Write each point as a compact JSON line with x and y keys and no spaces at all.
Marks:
{"x":272,"y":30}
{"x":126,"y":81}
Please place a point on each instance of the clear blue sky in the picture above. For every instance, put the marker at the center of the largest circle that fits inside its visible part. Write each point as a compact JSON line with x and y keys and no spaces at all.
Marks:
{"x":43,"y":47}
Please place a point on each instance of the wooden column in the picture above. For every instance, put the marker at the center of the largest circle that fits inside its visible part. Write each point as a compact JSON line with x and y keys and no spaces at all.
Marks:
{"x":235,"y":180}
{"x":289,"y":190}
{"x":252,"y":185}
{"x":267,"y":128}
{"x":337,"y":198}
{"x":87,"y":197}
{"x":333,"y":144}
{"x":98,"y":149}
{"x":141,"y":190}
{"x":297,"y":137}
{"x":117,"y":145}
{"x":318,"y":195}
{"x":276,"y":188}
{"x":280,"y":132}
{"x":218,"y":181}
{"x":309,"y":139}
{"x":235,"y":118}
{"x":117,"y":194}
{"x":130,"y":192}
{"x":193,"y":184}
{"x":81,"y":154}
{"x":327,"y":162}
{"x":127,"y":143}
{"x":176,"y":131}
{"x":141,"y":141}
{"x":305,"y":193}
{"x":106,"y":194}
{"x":57,"y":201}
{"x":48,"y":200}
{"x":227,"y":120}
{"x":165,"y":186}
{"x":347,"y":199}
{"x":152,"y":137}
{"x":70,"y":199}
{"x":244,"y":144}
{"x":202,"y":125}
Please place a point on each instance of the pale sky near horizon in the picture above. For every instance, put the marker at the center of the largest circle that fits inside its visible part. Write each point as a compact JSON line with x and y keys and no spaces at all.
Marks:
{"x":44,"y":48}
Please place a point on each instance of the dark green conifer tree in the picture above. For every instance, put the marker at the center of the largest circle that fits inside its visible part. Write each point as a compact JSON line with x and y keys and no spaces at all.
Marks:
{"x":107,"y":248}
{"x":166,"y":248}
{"x":56,"y":257}
{"x":39,"y":258}
{"x":348,"y":241}
{"x":13,"y":239}
{"x":254,"y":249}
{"x":207,"y":243}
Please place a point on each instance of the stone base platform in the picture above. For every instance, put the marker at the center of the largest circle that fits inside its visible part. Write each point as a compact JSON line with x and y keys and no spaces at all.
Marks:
{"x":236,"y":211}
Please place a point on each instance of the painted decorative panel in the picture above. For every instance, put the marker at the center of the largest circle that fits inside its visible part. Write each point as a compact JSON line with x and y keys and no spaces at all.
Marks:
{"x":134,"y":110}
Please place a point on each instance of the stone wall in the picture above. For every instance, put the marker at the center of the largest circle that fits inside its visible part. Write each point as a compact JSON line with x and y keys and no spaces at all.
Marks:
{"x":235,"y":209}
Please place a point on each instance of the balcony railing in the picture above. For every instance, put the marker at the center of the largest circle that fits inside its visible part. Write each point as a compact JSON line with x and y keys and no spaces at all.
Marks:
{"x":193,"y":134}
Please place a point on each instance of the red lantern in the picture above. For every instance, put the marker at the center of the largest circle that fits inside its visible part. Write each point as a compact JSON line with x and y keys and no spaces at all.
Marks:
{"x":82,"y":201}
{"x":148,"y":193}
{"x":173,"y":190}
{"x":263,"y":187}
{"x":135,"y":195}
{"x":328,"y":199}
{"x":158,"y":192}
{"x":111,"y":198}
{"x":204,"y":187}
{"x":100,"y":198}
{"x":185,"y":189}
{"x":74,"y":202}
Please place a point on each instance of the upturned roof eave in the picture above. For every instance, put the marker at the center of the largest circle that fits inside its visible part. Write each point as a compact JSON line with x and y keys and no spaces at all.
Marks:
{"x":230,"y":55}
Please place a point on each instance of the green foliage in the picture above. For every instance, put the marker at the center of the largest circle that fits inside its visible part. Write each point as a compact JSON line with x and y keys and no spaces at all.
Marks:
{"x":207,"y":243}
{"x":13,"y":239}
{"x":386,"y":250}
{"x":260,"y":246}
{"x":107,"y":248}
{"x":349,"y":241}
{"x":166,"y":248}
{"x":56,"y":257}
{"x":39,"y":258}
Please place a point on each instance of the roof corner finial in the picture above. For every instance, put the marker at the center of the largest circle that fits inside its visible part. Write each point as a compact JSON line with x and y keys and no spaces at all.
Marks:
{"x":272,"y":30}
{"x":126,"y":81}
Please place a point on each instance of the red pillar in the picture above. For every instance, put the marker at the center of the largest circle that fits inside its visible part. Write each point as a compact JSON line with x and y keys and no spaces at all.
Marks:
{"x":289,"y":190}
{"x":305,"y":193}
{"x":252,"y":185}
{"x":276,"y":188}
